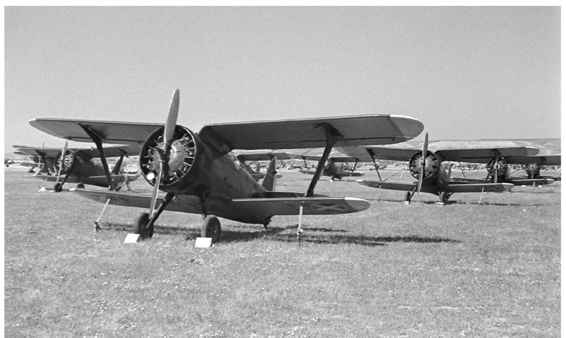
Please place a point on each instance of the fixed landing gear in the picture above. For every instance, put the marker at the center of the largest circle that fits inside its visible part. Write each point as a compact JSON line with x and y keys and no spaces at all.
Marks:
{"x":211,"y":228}
{"x":58,"y":187}
{"x":444,"y":196}
{"x":80,"y":186}
{"x":143,"y":227}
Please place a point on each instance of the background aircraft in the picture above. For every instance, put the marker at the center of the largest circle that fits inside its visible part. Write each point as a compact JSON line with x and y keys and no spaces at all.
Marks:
{"x":432,"y":172}
{"x":78,"y":165}
{"x":331,"y":169}
{"x":199,"y":176}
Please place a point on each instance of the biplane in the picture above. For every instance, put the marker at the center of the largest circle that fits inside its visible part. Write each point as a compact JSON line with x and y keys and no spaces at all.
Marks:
{"x":331,"y":169}
{"x":532,"y":165}
{"x":198,"y":174}
{"x":77,"y":165}
{"x":431,"y":168}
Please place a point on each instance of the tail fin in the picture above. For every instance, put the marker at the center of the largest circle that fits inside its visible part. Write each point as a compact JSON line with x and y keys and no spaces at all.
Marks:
{"x":118,"y":165}
{"x":269,"y":180}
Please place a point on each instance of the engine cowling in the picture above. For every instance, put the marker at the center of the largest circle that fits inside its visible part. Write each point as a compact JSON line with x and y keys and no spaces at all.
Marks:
{"x":183,"y":157}
{"x":431,"y":168}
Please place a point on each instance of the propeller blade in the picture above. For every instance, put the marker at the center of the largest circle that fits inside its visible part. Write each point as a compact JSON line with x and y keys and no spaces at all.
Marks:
{"x":155,"y":193}
{"x":169,"y":130}
{"x":168,"y":134}
{"x":61,"y":162}
{"x":423,"y":164}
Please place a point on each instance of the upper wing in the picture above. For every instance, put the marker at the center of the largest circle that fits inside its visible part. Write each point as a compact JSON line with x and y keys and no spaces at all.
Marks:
{"x":109,"y":132}
{"x":290,"y":205}
{"x":309,"y":133}
{"x":537,"y":159}
{"x":303,"y":133}
{"x":475,"y":155}
{"x":85,"y":153}
{"x":484,"y":155}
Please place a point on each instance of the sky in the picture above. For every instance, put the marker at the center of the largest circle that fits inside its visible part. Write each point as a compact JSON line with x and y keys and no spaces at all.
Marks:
{"x":465,"y":72}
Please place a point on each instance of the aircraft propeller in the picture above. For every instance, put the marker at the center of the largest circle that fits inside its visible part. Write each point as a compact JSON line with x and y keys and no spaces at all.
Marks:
{"x":168,"y":135}
{"x":423,"y":163}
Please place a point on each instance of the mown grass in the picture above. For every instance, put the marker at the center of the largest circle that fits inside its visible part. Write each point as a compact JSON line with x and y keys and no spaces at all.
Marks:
{"x":488,"y":269}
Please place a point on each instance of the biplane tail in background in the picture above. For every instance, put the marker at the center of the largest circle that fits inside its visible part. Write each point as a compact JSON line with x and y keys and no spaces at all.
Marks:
{"x":198,"y":175}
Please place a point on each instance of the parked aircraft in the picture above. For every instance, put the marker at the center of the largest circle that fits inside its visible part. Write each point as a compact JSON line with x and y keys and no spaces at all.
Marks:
{"x":77,"y":166}
{"x":432,"y":172}
{"x":199,"y":176}
{"x":532,"y":165}
{"x":332,"y":169}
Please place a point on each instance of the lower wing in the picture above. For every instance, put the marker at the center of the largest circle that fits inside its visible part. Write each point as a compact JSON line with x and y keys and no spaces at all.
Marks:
{"x":531,"y":181}
{"x":181,"y":203}
{"x":477,"y":187}
{"x":250,"y":206}
{"x":290,"y":205}
{"x":389,"y":185}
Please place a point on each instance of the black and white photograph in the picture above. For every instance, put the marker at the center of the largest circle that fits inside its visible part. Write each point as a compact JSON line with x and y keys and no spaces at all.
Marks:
{"x":260,"y":170}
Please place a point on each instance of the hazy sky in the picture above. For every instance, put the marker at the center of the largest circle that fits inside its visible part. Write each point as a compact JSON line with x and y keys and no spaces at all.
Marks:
{"x":465,"y":72}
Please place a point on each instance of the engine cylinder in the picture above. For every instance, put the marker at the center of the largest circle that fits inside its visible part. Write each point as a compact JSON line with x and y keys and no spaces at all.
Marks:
{"x":431,"y":165}
{"x":183,"y":157}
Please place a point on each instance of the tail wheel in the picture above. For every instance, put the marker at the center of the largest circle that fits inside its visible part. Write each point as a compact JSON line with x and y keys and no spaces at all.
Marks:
{"x":211,"y":228}
{"x":141,"y":227}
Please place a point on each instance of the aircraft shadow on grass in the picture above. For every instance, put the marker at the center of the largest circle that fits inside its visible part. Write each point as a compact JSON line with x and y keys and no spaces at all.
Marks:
{"x":276,"y":234}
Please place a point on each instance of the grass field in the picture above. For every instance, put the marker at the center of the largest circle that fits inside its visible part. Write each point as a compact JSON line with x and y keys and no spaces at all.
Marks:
{"x":468,"y":268}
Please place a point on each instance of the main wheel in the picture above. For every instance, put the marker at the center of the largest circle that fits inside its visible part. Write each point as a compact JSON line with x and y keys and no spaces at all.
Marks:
{"x":211,"y":228}
{"x":141,"y":227}
{"x":58,"y":187}
{"x":444,"y":196}
{"x":408,"y":197}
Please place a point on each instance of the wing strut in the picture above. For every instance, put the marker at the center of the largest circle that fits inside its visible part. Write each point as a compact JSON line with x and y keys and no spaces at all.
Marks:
{"x":97,"y":140}
{"x":331,"y":135}
{"x":372,"y":155}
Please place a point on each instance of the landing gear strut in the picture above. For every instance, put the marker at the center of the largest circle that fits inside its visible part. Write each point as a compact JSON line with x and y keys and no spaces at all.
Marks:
{"x":144,"y":223}
{"x":211,"y":228}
